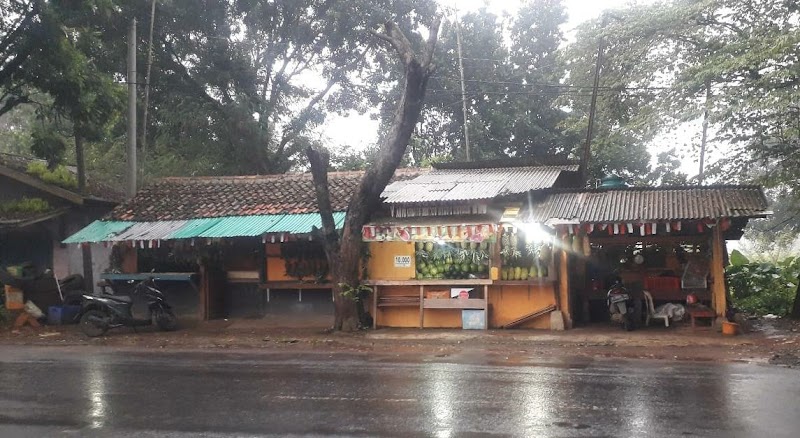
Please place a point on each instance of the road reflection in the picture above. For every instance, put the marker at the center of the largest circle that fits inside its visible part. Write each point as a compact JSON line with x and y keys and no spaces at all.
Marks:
{"x":95,"y":385}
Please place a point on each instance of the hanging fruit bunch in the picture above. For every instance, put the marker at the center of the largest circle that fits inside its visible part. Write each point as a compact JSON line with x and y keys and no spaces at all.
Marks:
{"x":304,"y":259}
{"x":522,"y":257}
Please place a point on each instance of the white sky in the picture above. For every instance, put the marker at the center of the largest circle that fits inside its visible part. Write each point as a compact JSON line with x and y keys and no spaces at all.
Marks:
{"x":358,"y":131}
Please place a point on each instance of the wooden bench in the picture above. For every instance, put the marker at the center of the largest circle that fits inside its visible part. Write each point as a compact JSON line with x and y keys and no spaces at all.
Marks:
{"x":700,"y":312}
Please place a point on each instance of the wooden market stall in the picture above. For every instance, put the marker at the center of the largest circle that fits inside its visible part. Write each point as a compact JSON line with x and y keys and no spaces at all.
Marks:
{"x":668,"y":241}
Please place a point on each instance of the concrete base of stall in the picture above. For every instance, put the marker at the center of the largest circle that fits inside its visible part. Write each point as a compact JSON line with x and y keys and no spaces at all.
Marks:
{"x":279,"y":307}
{"x":507,"y":303}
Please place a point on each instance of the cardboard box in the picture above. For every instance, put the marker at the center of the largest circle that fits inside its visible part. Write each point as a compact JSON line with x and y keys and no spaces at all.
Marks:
{"x":436,"y":294}
{"x":15,"y":299}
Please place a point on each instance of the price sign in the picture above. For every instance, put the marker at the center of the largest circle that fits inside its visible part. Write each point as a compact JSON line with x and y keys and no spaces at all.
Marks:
{"x":402,"y":261}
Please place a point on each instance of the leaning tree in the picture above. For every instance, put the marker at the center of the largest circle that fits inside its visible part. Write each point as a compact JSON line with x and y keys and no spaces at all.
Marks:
{"x":343,"y":250}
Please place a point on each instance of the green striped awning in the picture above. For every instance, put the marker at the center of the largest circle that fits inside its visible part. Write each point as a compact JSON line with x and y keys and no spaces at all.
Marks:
{"x":99,"y":231}
{"x":212,"y":228}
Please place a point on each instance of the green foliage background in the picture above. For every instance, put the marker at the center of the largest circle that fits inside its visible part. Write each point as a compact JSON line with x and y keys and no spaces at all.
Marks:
{"x":763,"y":287}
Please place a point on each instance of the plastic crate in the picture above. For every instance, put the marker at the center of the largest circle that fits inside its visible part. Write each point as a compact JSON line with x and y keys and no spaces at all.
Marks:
{"x":59,"y":315}
{"x":656,"y":284}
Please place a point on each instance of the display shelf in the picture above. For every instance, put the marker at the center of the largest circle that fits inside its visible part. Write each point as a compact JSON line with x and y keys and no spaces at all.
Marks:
{"x":454,"y":303}
{"x":537,"y":282}
{"x":398,"y":301}
{"x":294,"y":285}
{"x":414,"y":282}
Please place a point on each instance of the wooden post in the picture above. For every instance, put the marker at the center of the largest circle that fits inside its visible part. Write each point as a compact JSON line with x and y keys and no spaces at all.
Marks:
{"x":562,"y":298}
{"x":718,"y":293}
{"x":203,"y":299}
{"x":421,"y":306}
{"x":486,"y":308}
{"x":375,"y":307}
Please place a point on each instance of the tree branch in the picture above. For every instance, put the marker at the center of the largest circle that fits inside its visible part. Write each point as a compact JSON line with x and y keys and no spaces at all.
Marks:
{"x":430,"y":46}
{"x":394,"y":36}
{"x":12,"y":103}
{"x":297,"y":125}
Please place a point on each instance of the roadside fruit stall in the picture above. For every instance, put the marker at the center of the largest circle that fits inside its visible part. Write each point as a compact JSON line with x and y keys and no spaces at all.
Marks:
{"x":453,"y":252}
{"x":472,"y":274}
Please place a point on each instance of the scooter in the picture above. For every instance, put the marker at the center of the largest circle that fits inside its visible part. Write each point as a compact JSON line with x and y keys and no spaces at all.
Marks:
{"x":99,"y":313}
{"x":620,"y":305}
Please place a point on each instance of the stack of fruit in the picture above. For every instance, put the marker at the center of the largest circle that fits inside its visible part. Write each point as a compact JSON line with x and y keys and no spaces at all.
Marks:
{"x":455,"y":260}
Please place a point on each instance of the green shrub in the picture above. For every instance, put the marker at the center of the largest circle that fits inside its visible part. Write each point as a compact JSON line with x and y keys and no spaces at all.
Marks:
{"x":60,"y":176}
{"x":25,"y":205}
{"x":763,"y":288}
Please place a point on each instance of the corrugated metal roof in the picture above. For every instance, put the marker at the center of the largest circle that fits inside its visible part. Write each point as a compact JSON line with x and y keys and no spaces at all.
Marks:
{"x":442,"y":185}
{"x":654,"y":204}
{"x":232,"y":226}
{"x":98,"y":231}
{"x":159,"y":230}
{"x":304,"y":223}
{"x":243,"y":226}
{"x":194,"y":228}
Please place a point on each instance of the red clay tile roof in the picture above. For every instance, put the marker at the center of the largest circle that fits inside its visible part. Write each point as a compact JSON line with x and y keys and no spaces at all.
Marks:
{"x":208,"y":197}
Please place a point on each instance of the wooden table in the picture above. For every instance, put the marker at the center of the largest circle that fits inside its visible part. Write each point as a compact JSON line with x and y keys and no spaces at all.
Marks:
{"x":700,"y":312}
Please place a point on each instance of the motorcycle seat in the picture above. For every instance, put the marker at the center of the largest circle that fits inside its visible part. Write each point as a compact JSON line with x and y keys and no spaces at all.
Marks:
{"x":120,"y":298}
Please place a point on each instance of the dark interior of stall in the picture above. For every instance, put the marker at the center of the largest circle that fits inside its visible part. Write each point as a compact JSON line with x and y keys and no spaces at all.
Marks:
{"x":669,"y":270}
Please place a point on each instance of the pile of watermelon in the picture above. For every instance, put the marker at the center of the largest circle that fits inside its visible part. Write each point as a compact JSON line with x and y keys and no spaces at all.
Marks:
{"x":452,"y":260}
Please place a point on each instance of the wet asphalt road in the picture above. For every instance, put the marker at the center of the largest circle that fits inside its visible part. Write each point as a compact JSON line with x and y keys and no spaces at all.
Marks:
{"x":95,"y":392}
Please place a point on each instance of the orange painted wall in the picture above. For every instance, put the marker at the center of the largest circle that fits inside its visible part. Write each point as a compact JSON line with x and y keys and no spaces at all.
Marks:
{"x":276,"y":267}
{"x":381,"y":260}
{"x":508,"y":303}
{"x":130,"y":260}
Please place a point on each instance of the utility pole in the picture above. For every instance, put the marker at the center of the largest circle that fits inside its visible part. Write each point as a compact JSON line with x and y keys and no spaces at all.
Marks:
{"x":147,"y":88}
{"x":584,"y":167}
{"x":131,"y":181}
{"x":704,"y":138}
{"x":463,"y":88}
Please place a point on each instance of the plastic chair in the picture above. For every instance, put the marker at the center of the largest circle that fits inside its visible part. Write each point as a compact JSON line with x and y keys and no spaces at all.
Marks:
{"x":651,"y":311}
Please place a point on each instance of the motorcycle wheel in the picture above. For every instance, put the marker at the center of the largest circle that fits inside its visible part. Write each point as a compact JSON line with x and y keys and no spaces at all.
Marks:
{"x":627,"y":322}
{"x":91,"y":328}
{"x":166,"y":320}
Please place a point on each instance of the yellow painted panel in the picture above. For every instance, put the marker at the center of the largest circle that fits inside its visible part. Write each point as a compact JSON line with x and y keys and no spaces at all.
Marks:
{"x":409,"y":316}
{"x":443,"y":318}
{"x":508,"y":303}
{"x":381,"y":260}
{"x":398,"y":316}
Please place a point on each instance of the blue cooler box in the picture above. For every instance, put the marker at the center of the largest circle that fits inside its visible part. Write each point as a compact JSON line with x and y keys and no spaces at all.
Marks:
{"x":473,"y":319}
{"x":58,"y":315}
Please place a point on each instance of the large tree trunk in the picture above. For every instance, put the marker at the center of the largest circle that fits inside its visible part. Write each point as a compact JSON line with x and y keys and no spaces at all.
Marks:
{"x":344,"y":253}
{"x":795,"y":313}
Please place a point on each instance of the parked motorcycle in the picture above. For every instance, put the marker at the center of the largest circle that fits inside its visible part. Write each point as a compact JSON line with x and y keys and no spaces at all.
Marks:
{"x":99,"y":313}
{"x":620,"y":305}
